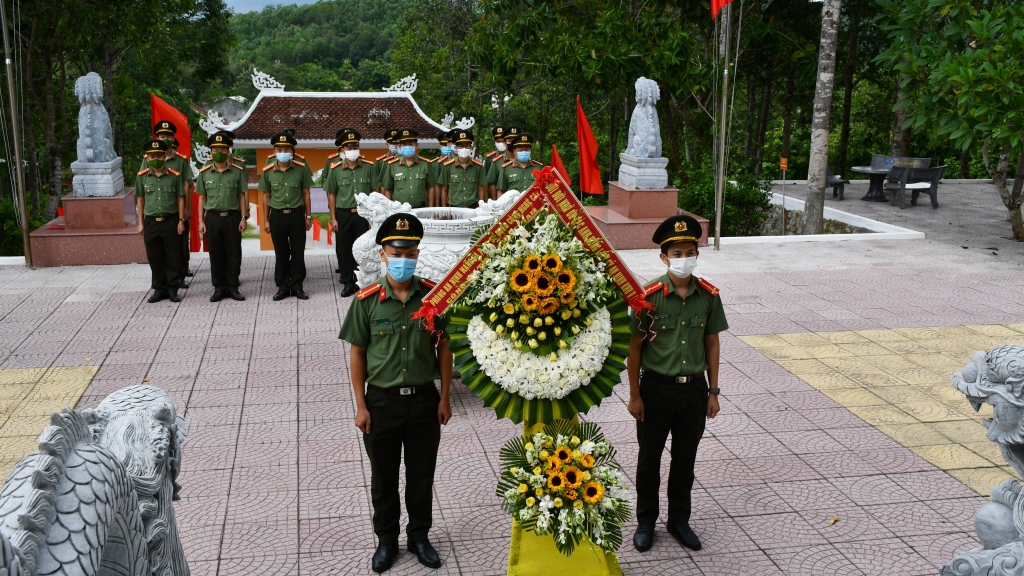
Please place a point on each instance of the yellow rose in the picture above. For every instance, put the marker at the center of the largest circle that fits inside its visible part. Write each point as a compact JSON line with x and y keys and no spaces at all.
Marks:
{"x":575,"y":329}
{"x":562,"y":344}
{"x":499,"y":330}
{"x":533,"y":343}
{"x":530,"y":501}
{"x":529,"y":446}
{"x":537,"y":470}
{"x":548,"y":443}
{"x":588,"y":322}
{"x":575,"y":441}
{"x":553,"y":357}
{"x":543,"y":455}
{"x":558,"y":502}
{"x":517,"y":343}
{"x":493,"y":316}
{"x":538,"y":322}
{"x":542,"y":336}
{"x":524,"y":318}
{"x":530,"y":330}
{"x":514,"y":335}
{"x":523,"y":488}
{"x":566,"y":315}
{"x":586,"y":476}
{"x":510,"y":322}
{"x":578,"y":504}
{"x":539,"y":492}
{"x":508,"y":308}
{"x":576,"y":454}
{"x":514,"y":470}
{"x":576,"y":313}
{"x":558,"y":330}
{"x":549,"y":320}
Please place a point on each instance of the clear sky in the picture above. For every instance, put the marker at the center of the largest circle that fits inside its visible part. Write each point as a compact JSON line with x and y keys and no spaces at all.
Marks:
{"x":250,"y":5}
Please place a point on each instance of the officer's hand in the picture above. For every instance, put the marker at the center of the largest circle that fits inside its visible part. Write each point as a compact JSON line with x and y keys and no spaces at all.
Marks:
{"x":242,"y":225}
{"x":363,"y":420}
{"x":309,"y":224}
{"x":140,"y":228}
{"x":181,"y":227}
{"x":713,"y":407}
{"x":334,"y":225}
{"x":636,"y":408}
{"x":266,"y":226}
{"x":202,"y":228}
{"x":444,"y":412}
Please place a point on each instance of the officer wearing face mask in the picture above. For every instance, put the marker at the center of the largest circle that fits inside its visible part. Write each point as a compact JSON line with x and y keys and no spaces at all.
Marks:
{"x":165,"y":130}
{"x":507,"y":155}
{"x":435,"y":196}
{"x":223,"y":188}
{"x":518,"y":174}
{"x":673,"y":379}
{"x":160,"y":213}
{"x":394,"y":362}
{"x":408,"y":177}
{"x":498,"y":134}
{"x":285,"y":200}
{"x":381,"y":164}
{"x":462,"y":179}
{"x":348,"y":176}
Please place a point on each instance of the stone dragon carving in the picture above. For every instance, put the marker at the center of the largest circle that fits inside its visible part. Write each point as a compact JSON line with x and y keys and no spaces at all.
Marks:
{"x":96,"y":498}
{"x":407,"y":84}
{"x":996,"y":377}
{"x":263,"y":81}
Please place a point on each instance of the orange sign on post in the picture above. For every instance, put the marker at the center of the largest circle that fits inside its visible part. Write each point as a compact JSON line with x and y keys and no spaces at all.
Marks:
{"x":783,"y":163}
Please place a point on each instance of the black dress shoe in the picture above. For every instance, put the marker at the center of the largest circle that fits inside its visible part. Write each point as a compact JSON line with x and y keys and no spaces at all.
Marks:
{"x":174,"y":297}
{"x":685,"y":536}
{"x":182,"y":284}
{"x":236,"y":295}
{"x":281,"y":295}
{"x":157,"y":296}
{"x":189,"y":273}
{"x":643,"y":538}
{"x":348,"y":290}
{"x":300,"y":294}
{"x":425,"y":553}
{"x":337,"y":270}
{"x":384,"y":557}
{"x":218,"y":295}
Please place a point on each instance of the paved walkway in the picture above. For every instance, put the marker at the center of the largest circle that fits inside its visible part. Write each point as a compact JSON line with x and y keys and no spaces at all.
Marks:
{"x":832,"y":455}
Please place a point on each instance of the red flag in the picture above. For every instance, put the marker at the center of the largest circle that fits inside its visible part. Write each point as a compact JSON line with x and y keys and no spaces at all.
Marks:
{"x":556,"y":161}
{"x":316,"y":230}
{"x":590,"y":173}
{"x":164,"y":111}
{"x":716,"y":7}
{"x":329,"y":236}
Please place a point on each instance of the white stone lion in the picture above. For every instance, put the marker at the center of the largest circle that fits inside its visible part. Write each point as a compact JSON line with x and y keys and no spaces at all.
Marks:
{"x":95,"y":139}
{"x":644,"y":131}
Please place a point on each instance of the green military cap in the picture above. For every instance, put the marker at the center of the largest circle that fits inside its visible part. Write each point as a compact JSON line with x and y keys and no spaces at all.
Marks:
{"x":283,"y":139}
{"x":523,"y":140}
{"x":406,"y":135}
{"x":227,"y":135}
{"x":218,"y":139}
{"x":289,"y":131}
{"x":400,"y":230}
{"x":389,"y":135}
{"x":498,"y":132}
{"x":681,"y":228}
{"x":175,"y":141}
{"x":164,"y":127}
{"x":512,"y":132}
{"x":462,"y":137}
{"x":444,"y":136}
{"x":346,"y":136}
{"x":154,"y":145}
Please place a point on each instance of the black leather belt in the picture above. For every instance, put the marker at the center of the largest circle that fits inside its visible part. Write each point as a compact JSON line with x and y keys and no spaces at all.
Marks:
{"x":654,"y":376}
{"x":348,"y":209}
{"x":405,"y":390}
{"x":162,"y":217}
{"x":226,"y":214}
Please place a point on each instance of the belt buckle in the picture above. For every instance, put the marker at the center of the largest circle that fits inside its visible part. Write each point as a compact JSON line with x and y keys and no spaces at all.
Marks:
{"x":683,"y":379}
{"x":406,"y":391}
{"x":158,"y":218}
{"x":223,"y":214}
{"x":286,"y":211}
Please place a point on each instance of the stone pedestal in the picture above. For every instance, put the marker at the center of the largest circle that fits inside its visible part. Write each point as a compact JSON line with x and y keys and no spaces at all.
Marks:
{"x":643,"y":173}
{"x":632,"y":215}
{"x":98,"y":230}
{"x":97,"y":179}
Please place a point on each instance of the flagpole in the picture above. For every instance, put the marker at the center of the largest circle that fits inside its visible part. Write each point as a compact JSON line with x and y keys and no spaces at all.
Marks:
{"x":19,"y":170}
{"x":720,"y":180}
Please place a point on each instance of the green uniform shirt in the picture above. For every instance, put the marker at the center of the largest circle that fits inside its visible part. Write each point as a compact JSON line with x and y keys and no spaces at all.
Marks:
{"x":182,"y":166}
{"x":517,"y":177}
{"x":409,"y":183}
{"x":494,"y":170}
{"x":400,"y":351}
{"x":160,"y":192}
{"x":674,"y":342}
{"x":462,"y":182}
{"x":326,"y":172}
{"x":286,"y":186}
{"x":221,"y":188}
{"x":379,"y":166}
{"x":301,"y":160}
{"x":345,"y":182}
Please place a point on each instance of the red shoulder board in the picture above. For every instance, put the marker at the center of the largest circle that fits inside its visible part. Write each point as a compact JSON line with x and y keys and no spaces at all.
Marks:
{"x":297,"y":155}
{"x":477,"y":162}
{"x":182,"y":156}
{"x":491,"y":154}
{"x":707,"y":286}
{"x":428,"y":283}
{"x":335,"y":164}
{"x":239,"y":158}
{"x":298,"y":163}
{"x":392,"y":160}
{"x":368,"y":291}
{"x":173,"y":172}
{"x":143,"y":172}
{"x":507,"y":164}
{"x":205,"y":168}
{"x":537,"y":163}
{"x":653,"y":288}
{"x":449,"y":162}
{"x":239,"y":166}
{"x":335,"y":155}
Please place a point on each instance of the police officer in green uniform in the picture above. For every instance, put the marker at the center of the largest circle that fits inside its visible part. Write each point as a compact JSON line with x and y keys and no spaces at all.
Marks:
{"x":494,"y":172}
{"x":673,"y":379}
{"x":285,"y":186}
{"x":160,"y":212}
{"x":498,"y":134}
{"x":518,"y":174}
{"x":394,"y":362}
{"x":408,"y":177}
{"x":438,"y":197}
{"x":381,"y":163}
{"x":222,"y":187}
{"x":348,"y":176}
{"x":165,"y":130}
{"x":462,"y":179}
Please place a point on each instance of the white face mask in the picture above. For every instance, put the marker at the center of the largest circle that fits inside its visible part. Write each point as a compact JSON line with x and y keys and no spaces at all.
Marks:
{"x":352,"y":155}
{"x":500,"y":146}
{"x":682,"y":267}
{"x":464,"y":152}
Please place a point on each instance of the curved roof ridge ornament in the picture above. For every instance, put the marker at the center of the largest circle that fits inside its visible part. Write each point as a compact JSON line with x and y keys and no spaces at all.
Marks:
{"x":213,"y":122}
{"x":263,"y":81}
{"x":465,"y":124}
{"x":407,"y":84}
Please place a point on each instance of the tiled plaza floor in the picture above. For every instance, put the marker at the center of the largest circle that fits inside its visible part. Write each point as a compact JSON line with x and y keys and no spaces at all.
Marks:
{"x":274,"y":473}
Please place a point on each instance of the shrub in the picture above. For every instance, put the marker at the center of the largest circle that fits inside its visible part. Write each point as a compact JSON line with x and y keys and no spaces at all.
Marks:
{"x":10,"y":238}
{"x":747,"y":200}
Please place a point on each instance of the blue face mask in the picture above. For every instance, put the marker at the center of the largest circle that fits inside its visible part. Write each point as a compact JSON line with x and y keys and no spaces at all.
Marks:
{"x":523,"y":156}
{"x":407,"y":151}
{"x":284,"y":157}
{"x":401,"y":269}
{"x":446,"y":150}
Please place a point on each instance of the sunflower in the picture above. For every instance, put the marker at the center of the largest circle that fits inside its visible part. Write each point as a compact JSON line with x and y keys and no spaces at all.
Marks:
{"x":571,"y":494}
{"x":543,"y":284}
{"x":556,"y":482}
{"x":530,"y":302}
{"x":552,"y":263}
{"x":553,"y":464}
{"x":532,"y":263}
{"x":573,"y":477}
{"x":567,"y":296}
{"x":587,"y":461}
{"x":593,"y":492}
{"x":521,"y":280}
{"x":548,"y":306}
{"x":563,"y":455}
{"x":566,"y":279}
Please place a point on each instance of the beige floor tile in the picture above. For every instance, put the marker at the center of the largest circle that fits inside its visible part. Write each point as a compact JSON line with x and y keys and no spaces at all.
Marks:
{"x":799,"y":367}
{"x":987,"y":450}
{"x":833,"y":381}
{"x":914,"y":434}
{"x":764,"y":341}
{"x":995,"y":330}
{"x":902,"y":395}
{"x":951,"y":456}
{"x":982,"y":480}
{"x":865,"y":349}
{"x":805,"y":339}
{"x":843,"y":337}
{"x":14,"y":391}
{"x":881,"y":415}
{"x":854,"y":397}
{"x":906,"y":347}
{"x":21,"y":376}
{"x":873,"y":379}
{"x":916,"y":376}
{"x":964,"y":431}
{"x":919,"y":333}
{"x":1016,"y":327}
{"x":787,"y":352}
{"x":932,"y":411}
{"x":881,"y":335}
{"x":828,"y":351}
{"x":890,"y":362}
{"x":19,"y":425}
{"x":14,"y":448}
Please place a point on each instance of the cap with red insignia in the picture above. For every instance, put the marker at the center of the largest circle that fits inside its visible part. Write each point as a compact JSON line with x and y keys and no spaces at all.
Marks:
{"x":681,"y":228}
{"x":400,"y":230}
{"x":389,"y":135}
{"x":154,"y":145}
{"x":283,"y":139}
{"x":217,"y":139}
{"x":164,"y":127}
{"x":498,"y":132}
{"x":462,"y":137}
{"x":406,"y":135}
{"x":512,"y":132}
{"x":347,"y":136}
{"x":523,"y":140}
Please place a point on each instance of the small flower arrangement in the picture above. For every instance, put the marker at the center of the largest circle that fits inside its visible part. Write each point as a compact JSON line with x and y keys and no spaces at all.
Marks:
{"x":564,"y":481}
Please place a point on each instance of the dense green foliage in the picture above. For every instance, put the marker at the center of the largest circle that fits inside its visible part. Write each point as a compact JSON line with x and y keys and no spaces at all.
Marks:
{"x":10,"y":235}
{"x":747,"y":201}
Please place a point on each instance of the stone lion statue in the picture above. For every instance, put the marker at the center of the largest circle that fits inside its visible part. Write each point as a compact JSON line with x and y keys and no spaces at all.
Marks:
{"x":996,"y":377}
{"x":95,"y":139}
{"x":96,"y":498}
{"x":644,"y":131}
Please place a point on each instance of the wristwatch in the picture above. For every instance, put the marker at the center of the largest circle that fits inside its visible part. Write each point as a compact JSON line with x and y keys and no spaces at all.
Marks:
{"x":309,"y":217}
{"x":714,"y":391}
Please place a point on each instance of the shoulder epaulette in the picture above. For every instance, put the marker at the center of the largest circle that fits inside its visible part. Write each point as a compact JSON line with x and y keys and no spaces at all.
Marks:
{"x":707,"y":286}
{"x":428,"y":283}
{"x":477,"y":162}
{"x":143,"y":172}
{"x":448,"y":162}
{"x":648,"y":290}
{"x":180,"y":155}
{"x":299,"y":163}
{"x":173,"y":172}
{"x":297,"y":155}
{"x":239,"y":158}
{"x":239,"y":166}
{"x":492,"y":154}
{"x":205,"y":168}
{"x":335,"y":164}
{"x":537,"y":162}
{"x":507,"y":163}
{"x":368,"y":291}
{"x":335,"y":155}
{"x":392,"y":160}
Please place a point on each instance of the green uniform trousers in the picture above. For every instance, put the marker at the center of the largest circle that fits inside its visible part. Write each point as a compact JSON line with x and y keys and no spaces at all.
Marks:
{"x":396,"y":422}
{"x":163,"y":250}
{"x":288,"y":231}
{"x":682,"y":410}
{"x":350,"y":226}
{"x":225,"y":243}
